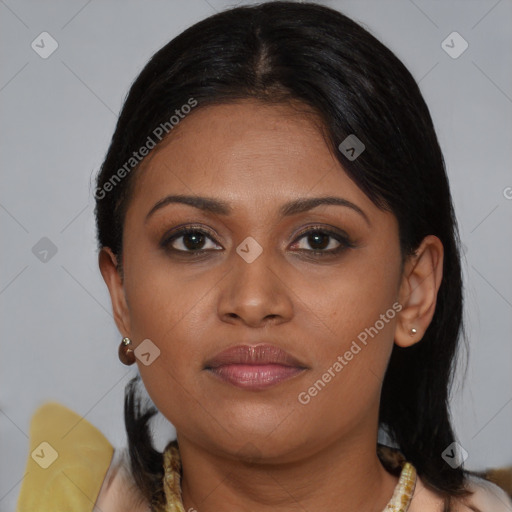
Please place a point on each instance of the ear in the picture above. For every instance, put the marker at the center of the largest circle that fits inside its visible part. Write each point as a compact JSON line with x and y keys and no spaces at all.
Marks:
{"x":109,"y":270}
{"x":421,"y":279}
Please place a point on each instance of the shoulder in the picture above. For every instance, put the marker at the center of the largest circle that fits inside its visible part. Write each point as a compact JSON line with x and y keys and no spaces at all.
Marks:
{"x":485,"y":497}
{"x":119,"y":491}
{"x":68,"y":458}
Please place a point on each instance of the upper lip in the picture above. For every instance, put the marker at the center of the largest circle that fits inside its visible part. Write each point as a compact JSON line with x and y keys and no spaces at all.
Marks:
{"x":260,"y":354}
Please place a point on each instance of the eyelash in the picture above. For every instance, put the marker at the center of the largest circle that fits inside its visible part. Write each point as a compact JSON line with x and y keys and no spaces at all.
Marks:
{"x":343,"y":240}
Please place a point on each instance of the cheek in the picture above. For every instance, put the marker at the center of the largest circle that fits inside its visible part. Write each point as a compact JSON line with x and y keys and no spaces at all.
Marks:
{"x":158,"y":293}
{"x":352,"y":299}
{"x":169,"y":314}
{"x":174,"y":309}
{"x":357,"y":308}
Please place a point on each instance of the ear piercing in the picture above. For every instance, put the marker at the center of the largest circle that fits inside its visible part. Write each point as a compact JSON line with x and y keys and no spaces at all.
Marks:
{"x":125,"y":352}
{"x":413,"y":331}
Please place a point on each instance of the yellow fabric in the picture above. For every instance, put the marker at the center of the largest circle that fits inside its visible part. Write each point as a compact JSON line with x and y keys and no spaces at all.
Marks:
{"x":77,"y":456}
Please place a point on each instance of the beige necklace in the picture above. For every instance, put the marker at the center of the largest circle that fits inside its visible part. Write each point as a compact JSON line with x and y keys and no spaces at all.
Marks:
{"x":400,"y":501}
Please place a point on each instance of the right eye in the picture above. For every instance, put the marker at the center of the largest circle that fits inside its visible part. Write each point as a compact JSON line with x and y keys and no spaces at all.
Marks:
{"x":189,"y":241}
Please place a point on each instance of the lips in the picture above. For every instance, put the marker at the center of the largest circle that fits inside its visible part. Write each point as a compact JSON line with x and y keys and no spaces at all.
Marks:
{"x":254,"y":366}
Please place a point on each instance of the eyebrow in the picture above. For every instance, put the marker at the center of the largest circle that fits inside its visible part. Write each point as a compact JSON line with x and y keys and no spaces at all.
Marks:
{"x":219,"y":207}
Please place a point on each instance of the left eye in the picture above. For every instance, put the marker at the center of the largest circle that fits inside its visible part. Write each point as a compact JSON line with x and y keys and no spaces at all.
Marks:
{"x":322,"y":241}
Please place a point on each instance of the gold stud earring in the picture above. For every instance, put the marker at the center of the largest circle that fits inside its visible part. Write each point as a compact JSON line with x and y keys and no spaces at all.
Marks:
{"x":125,"y":352}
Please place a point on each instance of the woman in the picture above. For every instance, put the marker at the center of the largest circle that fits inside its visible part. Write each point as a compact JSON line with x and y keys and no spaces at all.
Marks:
{"x":277,"y":235}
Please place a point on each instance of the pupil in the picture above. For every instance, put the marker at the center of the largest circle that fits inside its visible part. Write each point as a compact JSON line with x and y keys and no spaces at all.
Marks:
{"x":317,"y":239}
{"x":196,"y":238}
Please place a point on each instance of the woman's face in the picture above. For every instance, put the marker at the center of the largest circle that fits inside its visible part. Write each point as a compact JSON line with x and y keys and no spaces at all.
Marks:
{"x":256,"y":159}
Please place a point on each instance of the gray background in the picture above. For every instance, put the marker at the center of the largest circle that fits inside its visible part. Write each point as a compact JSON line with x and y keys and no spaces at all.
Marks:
{"x":58,"y":339}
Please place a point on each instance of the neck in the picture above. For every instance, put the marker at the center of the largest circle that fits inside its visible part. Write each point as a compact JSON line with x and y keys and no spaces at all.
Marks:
{"x":342,"y":477}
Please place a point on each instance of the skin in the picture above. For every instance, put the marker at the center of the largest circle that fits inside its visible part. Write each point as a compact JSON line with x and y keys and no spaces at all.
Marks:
{"x":263,"y":450}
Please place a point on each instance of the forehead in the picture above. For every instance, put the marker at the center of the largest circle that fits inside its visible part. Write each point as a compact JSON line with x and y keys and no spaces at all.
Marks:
{"x":246,"y":152}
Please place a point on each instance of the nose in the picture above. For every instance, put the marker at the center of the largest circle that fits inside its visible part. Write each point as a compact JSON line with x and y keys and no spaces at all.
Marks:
{"x":255,"y":294}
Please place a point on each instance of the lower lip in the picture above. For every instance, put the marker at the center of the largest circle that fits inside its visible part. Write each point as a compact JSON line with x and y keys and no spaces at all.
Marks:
{"x":255,"y":376}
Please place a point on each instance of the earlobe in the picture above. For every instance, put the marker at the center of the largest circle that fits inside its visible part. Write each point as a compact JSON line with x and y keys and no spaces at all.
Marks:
{"x":421,"y":279}
{"x":109,"y":270}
